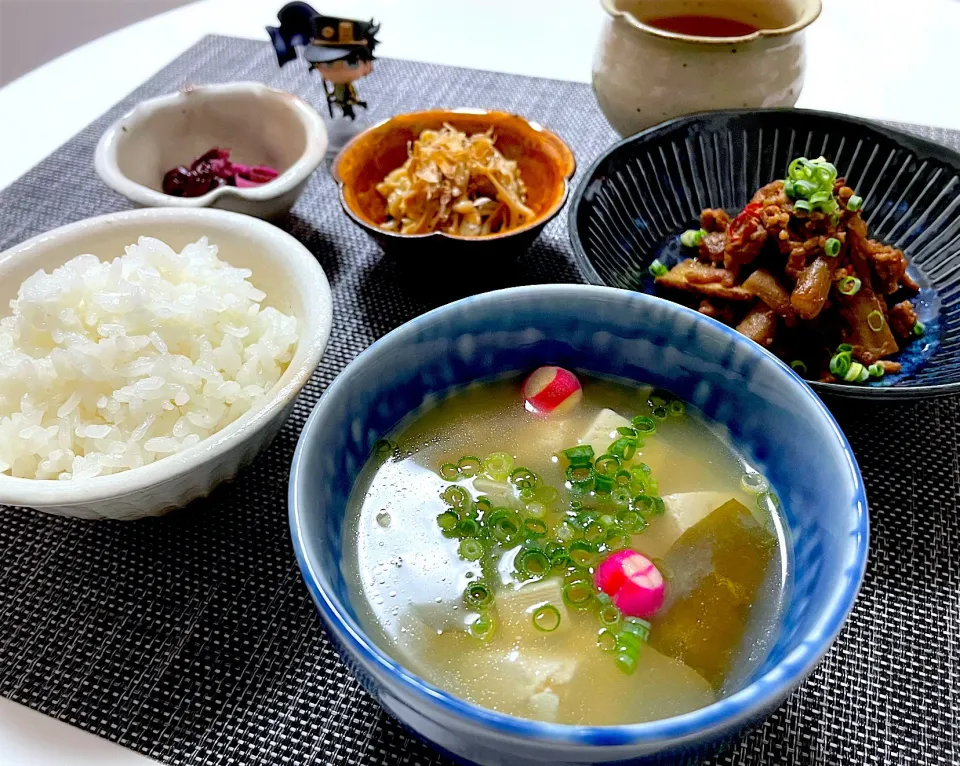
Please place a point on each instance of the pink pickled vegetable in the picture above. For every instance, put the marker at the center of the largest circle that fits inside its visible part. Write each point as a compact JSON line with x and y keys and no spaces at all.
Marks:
{"x":213,"y":169}
{"x":633,"y":582}
{"x":551,"y":389}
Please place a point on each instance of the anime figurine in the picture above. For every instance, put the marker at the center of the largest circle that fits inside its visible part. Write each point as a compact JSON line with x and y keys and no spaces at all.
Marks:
{"x":341,"y":50}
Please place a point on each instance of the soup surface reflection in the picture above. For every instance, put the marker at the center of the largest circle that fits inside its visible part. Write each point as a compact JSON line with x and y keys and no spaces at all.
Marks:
{"x":490,"y":592}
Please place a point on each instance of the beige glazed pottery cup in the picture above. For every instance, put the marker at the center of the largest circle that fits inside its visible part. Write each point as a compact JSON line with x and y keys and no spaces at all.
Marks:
{"x":643,"y":75}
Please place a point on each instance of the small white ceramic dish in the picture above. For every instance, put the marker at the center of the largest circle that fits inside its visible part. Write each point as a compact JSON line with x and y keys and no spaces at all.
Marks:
{"x":260,"y":125}
{"x":282,"y":267}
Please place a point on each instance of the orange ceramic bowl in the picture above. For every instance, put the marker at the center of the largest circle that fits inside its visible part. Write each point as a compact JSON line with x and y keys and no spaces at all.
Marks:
{"x":545,"y":163}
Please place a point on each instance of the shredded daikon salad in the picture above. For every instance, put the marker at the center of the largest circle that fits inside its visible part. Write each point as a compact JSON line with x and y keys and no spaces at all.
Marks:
{"x":457,"y":184}
{"x":107,"y":366}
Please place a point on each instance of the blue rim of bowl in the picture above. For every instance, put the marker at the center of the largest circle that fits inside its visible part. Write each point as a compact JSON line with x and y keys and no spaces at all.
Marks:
{"x":757,"y":698}
{"x":921,"y":146}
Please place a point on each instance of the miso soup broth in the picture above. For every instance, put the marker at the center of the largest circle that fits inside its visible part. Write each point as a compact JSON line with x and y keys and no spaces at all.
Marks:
{"x":483,"y":578}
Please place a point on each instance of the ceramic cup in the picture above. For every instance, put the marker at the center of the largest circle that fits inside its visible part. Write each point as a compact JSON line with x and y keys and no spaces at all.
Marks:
{"x":644,"y":74}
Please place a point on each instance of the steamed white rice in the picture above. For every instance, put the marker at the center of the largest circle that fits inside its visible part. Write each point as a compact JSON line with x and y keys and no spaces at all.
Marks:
{"x":110,"y":366}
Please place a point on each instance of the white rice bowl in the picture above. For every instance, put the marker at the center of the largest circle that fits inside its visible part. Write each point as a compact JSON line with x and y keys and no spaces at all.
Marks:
{"x":110,"y":366}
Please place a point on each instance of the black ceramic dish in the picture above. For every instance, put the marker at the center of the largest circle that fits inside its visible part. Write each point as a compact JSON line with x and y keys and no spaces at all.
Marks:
{"x":643,"y":192}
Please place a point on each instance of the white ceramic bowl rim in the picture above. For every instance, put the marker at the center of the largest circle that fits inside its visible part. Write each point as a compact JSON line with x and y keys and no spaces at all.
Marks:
{"x":737,"y":709}
{"x":809,"y":14}
{"x":105,"y":158}
{"x":38,"y":493}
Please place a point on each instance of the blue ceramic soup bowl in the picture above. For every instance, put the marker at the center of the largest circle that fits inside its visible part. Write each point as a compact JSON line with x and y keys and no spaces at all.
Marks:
{"x":768,"y":413}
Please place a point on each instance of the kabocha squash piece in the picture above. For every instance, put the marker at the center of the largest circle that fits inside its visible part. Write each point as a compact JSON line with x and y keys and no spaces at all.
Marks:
{"x":714,"y":571}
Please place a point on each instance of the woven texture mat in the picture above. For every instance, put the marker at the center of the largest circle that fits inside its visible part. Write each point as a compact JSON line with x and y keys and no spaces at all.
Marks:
{"x":191,"y":638}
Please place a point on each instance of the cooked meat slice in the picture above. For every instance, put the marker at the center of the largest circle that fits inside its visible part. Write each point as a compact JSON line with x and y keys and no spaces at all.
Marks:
{"x":693,"y":276}
{"x":712,"y":247}
{"x":902,"y":319}
{"x":771,"y":194}
{"x":888,"y":263}
{"x":813,"y":289}
{"x":714,"y":219}
{"x":766,"y":287}
{"x":760,"y":324}
{"x":745,"y":238}
{"x":722,"y":312}
{"x":909,"y":283}
{"x":869,"y":345}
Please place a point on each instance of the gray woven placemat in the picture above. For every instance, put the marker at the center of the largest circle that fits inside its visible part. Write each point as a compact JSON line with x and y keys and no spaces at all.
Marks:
{"x":191,"y":638}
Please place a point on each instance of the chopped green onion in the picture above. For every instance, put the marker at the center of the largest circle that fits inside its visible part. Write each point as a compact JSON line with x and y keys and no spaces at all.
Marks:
{"x":854,"y":203}
{"x":545,"y":494}
{"x":579,"y":455}
{"x":532,"y":563}
{"x":627,"y":431}
{"x":800,"y":366}
{"x":580,"y":477}
{"x":594,"y":532}
{"x":644,"y":426}
{"x":657,"y":269}
{"x":469,"y":467}
{"x":844,"y":348}
{"x":616,"y":541}
{"x":832,"y":247}
{"x":477,"y":595}
{"x":504,"y":524}
{"x":581,"y":552}
{"x":546,"y":618}
{"x":644,"y":505}
{"x":484,"y":627}
{"x":659,"y":507}
{"x":875,"y":320}
{"x":607,"y":465}
{"x":449,"y":472}
{"x":578,"y":592}
{"x":609,"y":615}
{"x":802,"y":204}
{"x":876,"y":370}
{"x":790,"y":189}
{"x":629,"y":642}
{"x":622,"y":478}
{"x":620,"y":497}
{"x":854,"y":373}
{"x":624,"y":448}
{"x":607,"y":640}
{"x":498,"y":465}
{"x":677,"y":408}
{"x":840,"y":363}
{"x":637,"y":627}
{"x":384,"y":449}
{"x":535,"y":510}
{"x":483,"y":504}
{"x":523,"y":478}
{"x":447,"y":521}
{"x":607,"y":521}
{"x":818,"y":198}
{"x":471,"y":549}
{"x":754,"y":483}
{"x":849,"y":285}
{"x":919,"y":329}
{"x":468,"y":528}
{"x":692,"y":237}
{"x":660,"y":413}
{"x":456,"y":497}
{"x":602,"y":484}
{"x":632,"y":521}
{"x":627,"y":663}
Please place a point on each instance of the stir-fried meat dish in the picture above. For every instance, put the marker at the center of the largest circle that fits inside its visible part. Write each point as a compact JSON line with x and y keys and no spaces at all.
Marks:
{"x":796,"y":272}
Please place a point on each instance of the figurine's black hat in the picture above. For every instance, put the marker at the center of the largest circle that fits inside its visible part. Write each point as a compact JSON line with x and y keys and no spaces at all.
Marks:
{"x":325,"y":38}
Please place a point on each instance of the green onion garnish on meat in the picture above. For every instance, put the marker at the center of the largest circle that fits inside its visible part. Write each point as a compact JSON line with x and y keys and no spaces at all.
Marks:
{"x":919,"y":329}
{"x":875,"y":321}
{"x":810,"y":183}
{"x":854,"y":203}
{"x":849,"y":285}
{"x":657,"y":269}
{"x":876,"y":370}
{"x":832,"y":247}
{"x":692,"y":237}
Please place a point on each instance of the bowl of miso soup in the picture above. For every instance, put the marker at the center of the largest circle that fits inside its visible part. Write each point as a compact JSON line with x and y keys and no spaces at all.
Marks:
{"x":573,"y":524}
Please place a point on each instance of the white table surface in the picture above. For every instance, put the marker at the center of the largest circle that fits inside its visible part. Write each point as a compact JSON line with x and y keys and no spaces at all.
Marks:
{"x":901,"y":55}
